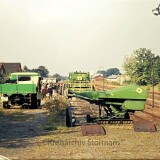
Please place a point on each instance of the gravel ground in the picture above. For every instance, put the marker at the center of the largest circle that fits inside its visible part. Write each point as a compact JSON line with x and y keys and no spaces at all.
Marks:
{"x":23,"y":136}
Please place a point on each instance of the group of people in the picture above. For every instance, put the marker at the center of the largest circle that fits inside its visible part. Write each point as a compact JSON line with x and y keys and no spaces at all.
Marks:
{"x":47,"y":90}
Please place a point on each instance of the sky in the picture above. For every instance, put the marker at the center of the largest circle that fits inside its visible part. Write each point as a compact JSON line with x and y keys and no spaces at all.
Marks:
{"x":76,"y":35}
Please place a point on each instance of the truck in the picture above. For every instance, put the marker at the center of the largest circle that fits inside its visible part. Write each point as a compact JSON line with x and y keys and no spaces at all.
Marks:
{"x":20,"y":89}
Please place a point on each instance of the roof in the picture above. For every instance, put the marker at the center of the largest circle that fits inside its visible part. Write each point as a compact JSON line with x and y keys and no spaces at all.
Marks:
{"x":25,"y":73}
{"x":113,"y":77}
{"x":97,"y":75}
{"x":11,"y":67}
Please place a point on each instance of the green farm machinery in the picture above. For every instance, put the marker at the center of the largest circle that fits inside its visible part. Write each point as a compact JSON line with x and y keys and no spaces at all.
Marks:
{"x":22,"y":88}
{"x":78,"y":82}
{"x":113,"y":105}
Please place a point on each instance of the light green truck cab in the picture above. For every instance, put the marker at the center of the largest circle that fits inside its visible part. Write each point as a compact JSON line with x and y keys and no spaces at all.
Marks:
{"x":22,"y":88}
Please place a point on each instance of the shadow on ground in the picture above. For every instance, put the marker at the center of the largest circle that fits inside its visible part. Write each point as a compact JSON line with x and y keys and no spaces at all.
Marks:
{"x":21,"y":131}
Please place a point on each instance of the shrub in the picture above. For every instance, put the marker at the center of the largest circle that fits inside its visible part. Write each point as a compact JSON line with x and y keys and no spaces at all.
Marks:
{"x":56,"y":119}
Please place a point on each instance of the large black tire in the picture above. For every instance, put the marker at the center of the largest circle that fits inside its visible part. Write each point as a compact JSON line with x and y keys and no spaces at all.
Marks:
{"x":6,"y":105}
{"x":69,"y":117}
{"x":34,"y":102}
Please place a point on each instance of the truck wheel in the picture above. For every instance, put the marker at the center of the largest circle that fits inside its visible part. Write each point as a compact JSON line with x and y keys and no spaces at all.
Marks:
{"x":5,"y":105}
{"x":34,"y":102}
{"x":68,"y":117}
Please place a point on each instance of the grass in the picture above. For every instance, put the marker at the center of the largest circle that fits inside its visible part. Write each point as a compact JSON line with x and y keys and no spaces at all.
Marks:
{"x":150,"y":87}
{"x":56,"y":118}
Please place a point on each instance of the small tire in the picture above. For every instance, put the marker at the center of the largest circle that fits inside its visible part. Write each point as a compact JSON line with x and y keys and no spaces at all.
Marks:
{"x":69,"y":117}
{"x":5,"y":105}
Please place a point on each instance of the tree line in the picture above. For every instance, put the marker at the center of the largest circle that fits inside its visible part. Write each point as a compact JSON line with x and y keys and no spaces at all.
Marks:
{"x":109,"y":72}
{"x":143,"y":67}
{"x":43,"y":72}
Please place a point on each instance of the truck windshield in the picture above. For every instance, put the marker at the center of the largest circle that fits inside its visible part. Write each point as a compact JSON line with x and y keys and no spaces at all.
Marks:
{"x":24,"y":78}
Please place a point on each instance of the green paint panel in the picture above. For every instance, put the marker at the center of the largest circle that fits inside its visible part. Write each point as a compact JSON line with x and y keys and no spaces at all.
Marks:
{"x":127,"y":92}
{"x":133,"y":105}
{"x":24,"y":89}
{"x":15,"y":75}
{"x":130,"y":97}
{"x":79,"y":76}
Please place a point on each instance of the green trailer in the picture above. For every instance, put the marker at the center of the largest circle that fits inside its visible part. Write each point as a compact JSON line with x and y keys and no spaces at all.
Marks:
{"x":22,"y":88}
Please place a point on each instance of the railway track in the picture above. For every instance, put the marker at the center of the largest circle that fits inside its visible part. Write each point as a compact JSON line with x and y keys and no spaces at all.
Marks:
{"x":82,"y":108}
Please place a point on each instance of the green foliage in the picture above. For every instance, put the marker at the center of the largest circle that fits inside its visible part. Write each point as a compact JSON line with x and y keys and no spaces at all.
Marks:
{"x":158,"y":87}
{"x":56,"y":117}
{"x":109,"y":72}
{"x":112,"y":71}
{"x":102,"y":72}
{"x":58,"y":77}
{"x":42,"y":70}
{"x":142,"y":66}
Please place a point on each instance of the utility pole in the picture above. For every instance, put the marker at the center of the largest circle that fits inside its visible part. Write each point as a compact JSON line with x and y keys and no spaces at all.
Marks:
{"x":102,"y":68}
{"x":103,"y":82}
{"x":153,"y":83}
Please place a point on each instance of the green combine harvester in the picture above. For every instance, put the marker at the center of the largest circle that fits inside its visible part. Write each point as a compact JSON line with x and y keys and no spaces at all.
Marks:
{"x":113,"y":105}
{"x":78,"y":82}
{"x":22,"y":88}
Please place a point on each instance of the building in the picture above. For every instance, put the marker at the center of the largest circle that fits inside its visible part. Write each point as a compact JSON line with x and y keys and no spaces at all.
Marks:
{"x":97,"y":77}
{"x":7,"y":68}
{"x":121,"y":79}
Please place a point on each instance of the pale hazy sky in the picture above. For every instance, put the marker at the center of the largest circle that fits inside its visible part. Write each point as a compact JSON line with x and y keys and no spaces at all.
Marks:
{"x":76,"y":35}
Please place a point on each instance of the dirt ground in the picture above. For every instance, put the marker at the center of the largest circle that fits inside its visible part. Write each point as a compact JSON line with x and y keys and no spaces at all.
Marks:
{"x":23,"y":136}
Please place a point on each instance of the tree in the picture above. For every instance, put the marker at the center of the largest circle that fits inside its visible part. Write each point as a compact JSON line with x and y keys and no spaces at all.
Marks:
{"x":25,"y":69}
{"x":58,"y":77}
{"x":141,"y":66}
{"x":102,"y":72}
{"x":42,"y":70}
{"x":112,"y":71}
{"x":109,"y":72}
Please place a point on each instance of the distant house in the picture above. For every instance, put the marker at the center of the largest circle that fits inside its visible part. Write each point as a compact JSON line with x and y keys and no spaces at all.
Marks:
{"x":121,"y":79}
{"x":7,"y":68}
{"x":113,"y":78}
{"x":97,"y":77}
{"x":124,"y":78}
